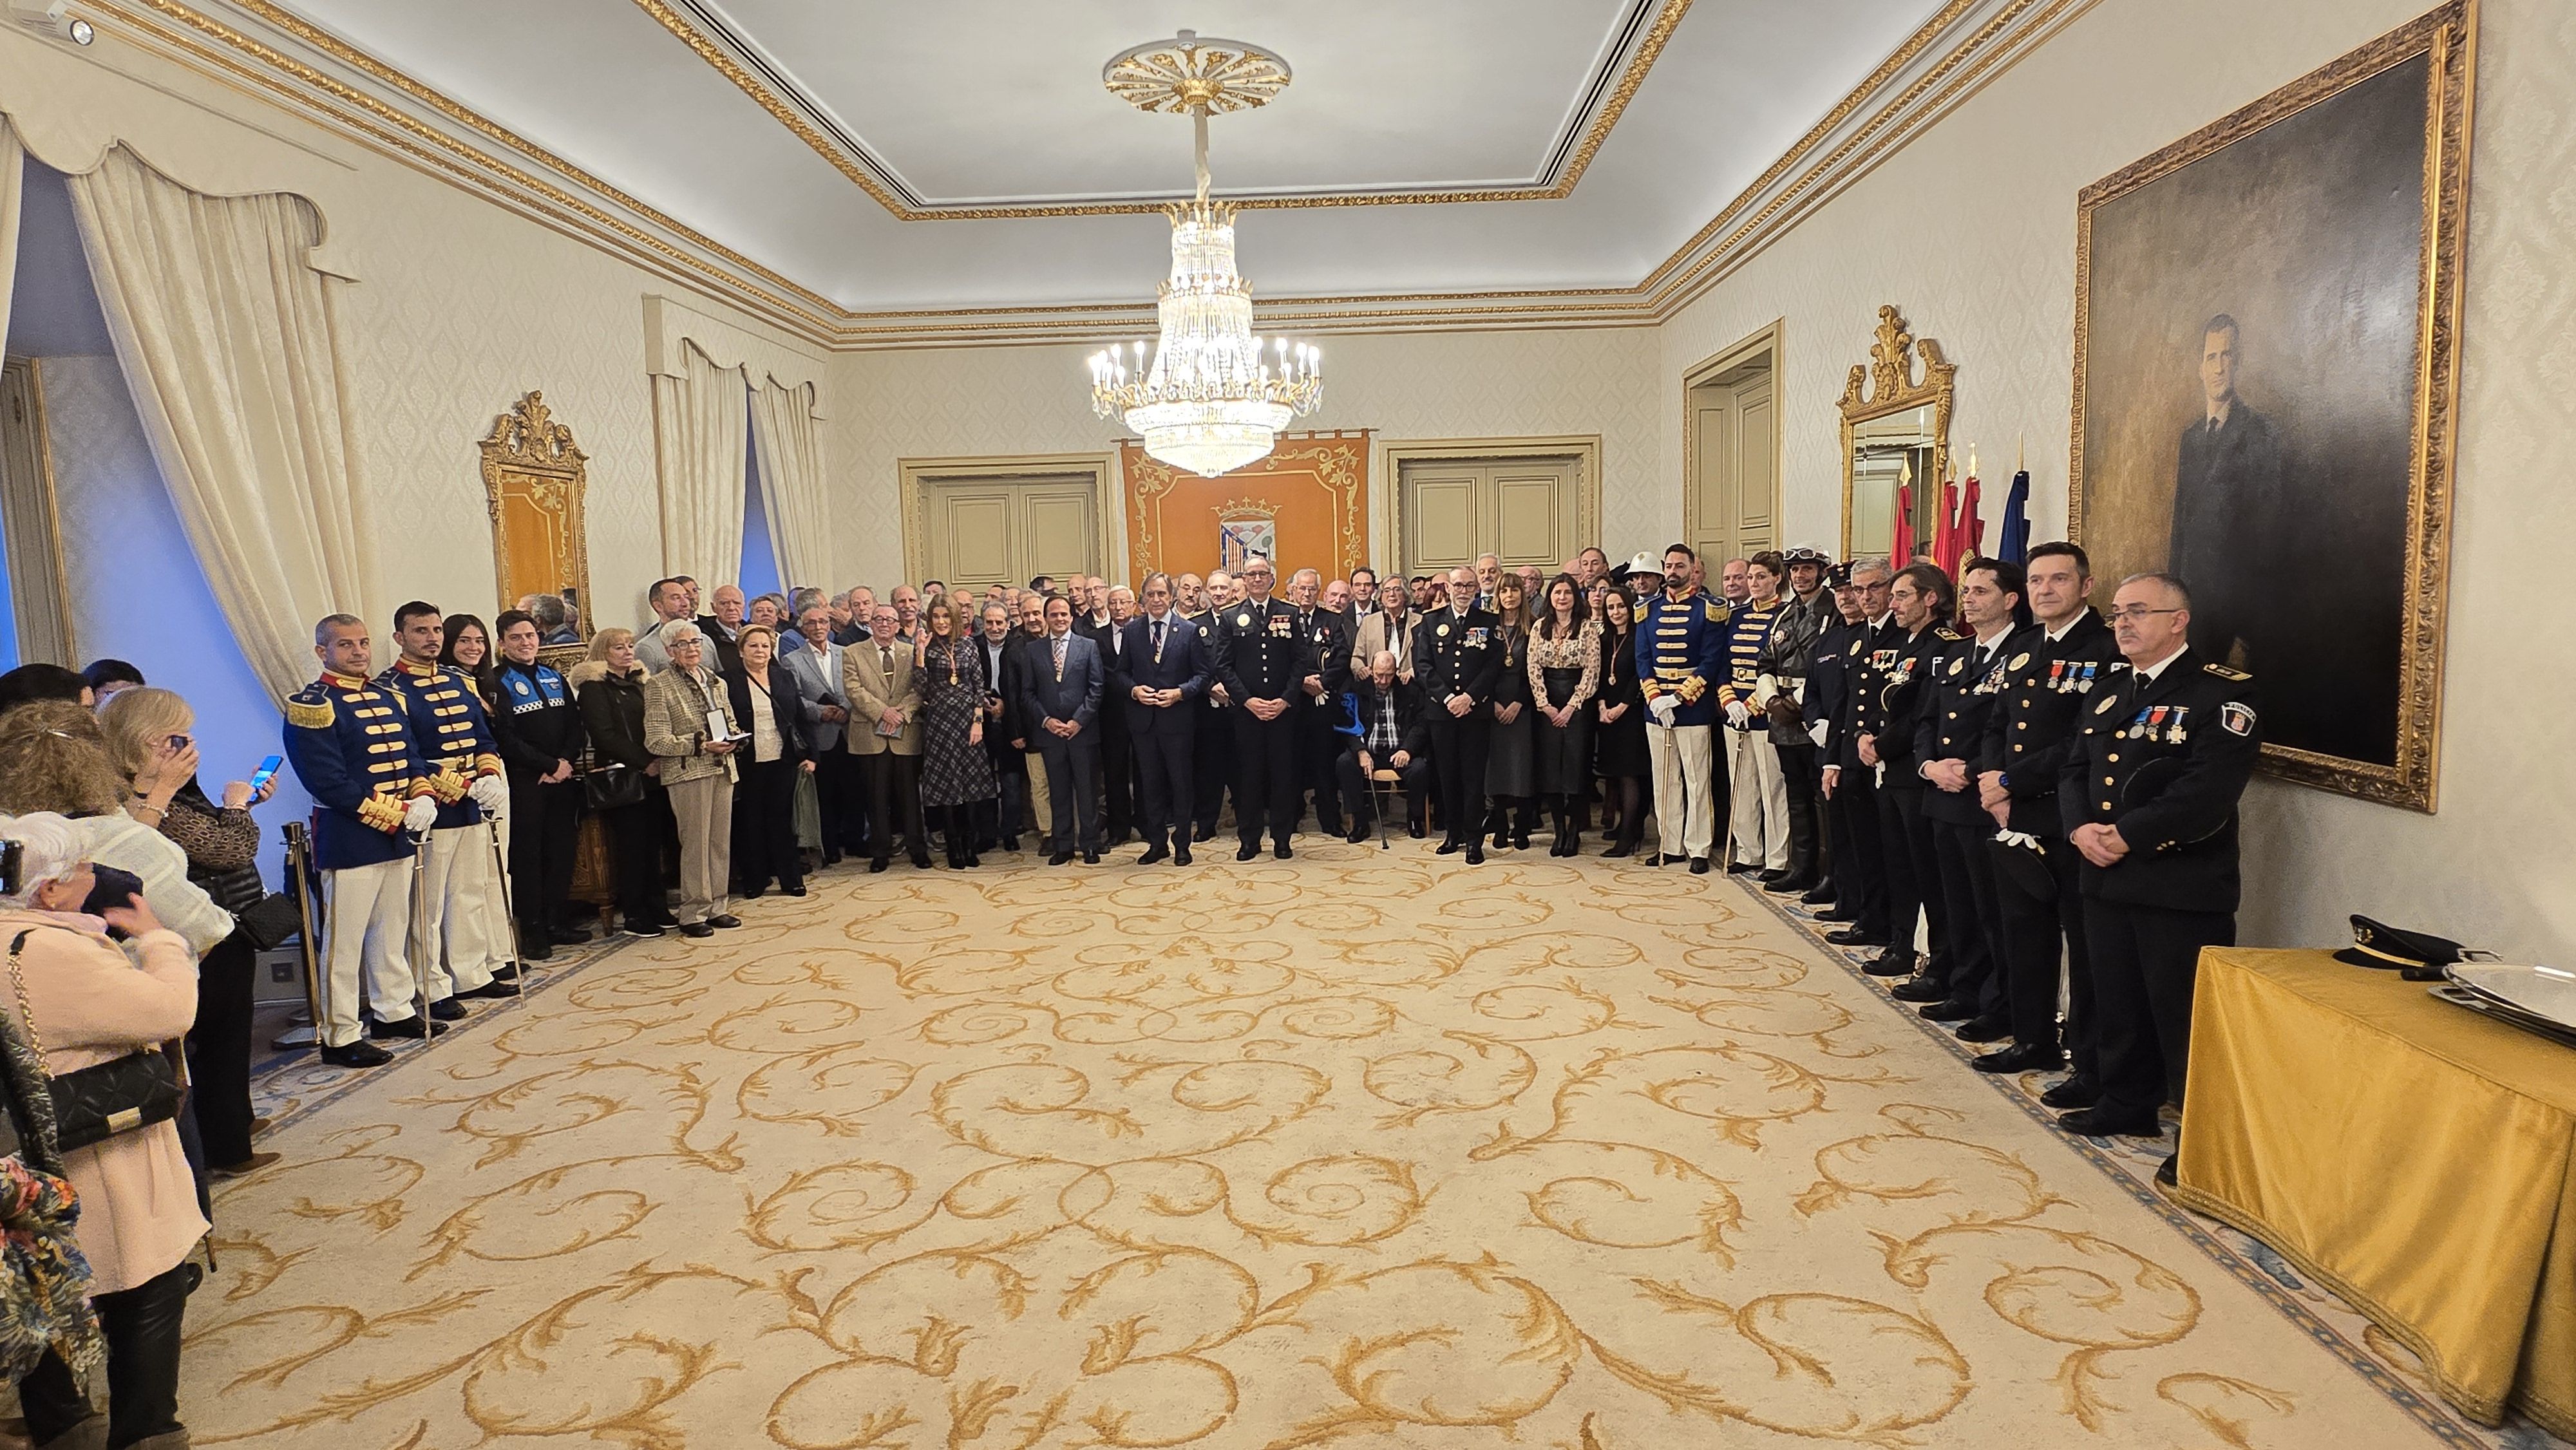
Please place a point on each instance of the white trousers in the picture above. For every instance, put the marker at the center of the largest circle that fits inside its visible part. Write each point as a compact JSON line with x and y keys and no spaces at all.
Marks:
{"x":455,"y":951}
{"x":1759,"y":798}
{"x":368,"y":914}
{"x":1685,"y":810}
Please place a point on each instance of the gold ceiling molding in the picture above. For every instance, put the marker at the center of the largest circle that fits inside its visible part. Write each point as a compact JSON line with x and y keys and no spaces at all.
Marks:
{"x":720,"y":56}
{"x":670,"y":247}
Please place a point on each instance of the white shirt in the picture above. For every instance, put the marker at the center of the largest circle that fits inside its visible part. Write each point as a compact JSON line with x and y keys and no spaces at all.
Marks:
{"x":2068,"y":627}
{"x":2150,"y":672}
{"x":117,"y":839}
{"x":766,"y":743}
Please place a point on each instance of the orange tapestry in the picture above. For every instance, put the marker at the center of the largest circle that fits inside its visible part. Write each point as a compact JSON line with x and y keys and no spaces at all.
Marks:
{"x":1306,"y":506}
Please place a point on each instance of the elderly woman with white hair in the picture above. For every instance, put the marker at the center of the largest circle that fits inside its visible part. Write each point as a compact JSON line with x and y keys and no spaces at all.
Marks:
{"x":81,"y":1001}
{"x":692,"y":731}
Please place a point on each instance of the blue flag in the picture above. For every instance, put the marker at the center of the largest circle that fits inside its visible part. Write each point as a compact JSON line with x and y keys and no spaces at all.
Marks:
{"x":2013,"y":544}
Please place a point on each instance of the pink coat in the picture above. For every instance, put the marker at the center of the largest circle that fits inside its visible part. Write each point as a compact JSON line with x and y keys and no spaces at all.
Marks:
{"x":138,"y":1203}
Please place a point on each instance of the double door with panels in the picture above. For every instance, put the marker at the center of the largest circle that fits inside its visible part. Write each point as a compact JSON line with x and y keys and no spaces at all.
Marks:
{"x":1521,"y":510}
{"x":1008,"y":530}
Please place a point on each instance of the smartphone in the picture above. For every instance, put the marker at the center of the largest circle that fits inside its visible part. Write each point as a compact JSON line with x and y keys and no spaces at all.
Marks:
{"x":267,"y":772}
{"x":112,"y":888}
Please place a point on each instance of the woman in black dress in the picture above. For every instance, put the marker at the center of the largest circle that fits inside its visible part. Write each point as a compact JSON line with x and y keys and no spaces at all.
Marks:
{"x":1564,"y":671}
{"x":1619,"y":741}
{"x":608,"y":688}
{"x":956,"y":773}
{"x":1511,"y":766}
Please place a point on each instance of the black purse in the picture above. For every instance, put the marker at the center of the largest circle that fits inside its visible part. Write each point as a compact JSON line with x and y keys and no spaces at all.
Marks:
{"x":270,"y":922}
{"x":612,"y":786}
{"x":97,"y":1103}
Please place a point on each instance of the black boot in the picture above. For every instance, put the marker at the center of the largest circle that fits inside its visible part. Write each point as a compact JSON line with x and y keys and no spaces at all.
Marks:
{"x":1561,"y":816}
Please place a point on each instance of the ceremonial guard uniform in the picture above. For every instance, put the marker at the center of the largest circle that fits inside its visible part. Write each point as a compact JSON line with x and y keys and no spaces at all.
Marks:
{"x":1760,"y":815}
{"x":2162,"y":757}
{"x":1260,"y":656}
{"x":1890,"y":692}
{"x":1457,"y":653}
{"x":351,"y":746}
{"x":1967,"y":679}
{"x":2047,"y":686}
{"x":1681,"y":651}
{"x":457,"y":952}
{"x":1851,"y":812}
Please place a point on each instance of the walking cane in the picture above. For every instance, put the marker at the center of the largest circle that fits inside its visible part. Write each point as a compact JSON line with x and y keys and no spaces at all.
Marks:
{"x":299,"y":870}
{"x":420,"y":969}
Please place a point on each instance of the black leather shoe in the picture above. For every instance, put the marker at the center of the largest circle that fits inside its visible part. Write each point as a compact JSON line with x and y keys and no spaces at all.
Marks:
{"x":1890,"y":964}
{"x":448,"y":1009}
{"x":537,"y":949}
{"x":360,"y":1053}
{"x":1740,"y":868}
{"x":2165,"y":1171}
{"x":1985,"y":1029}
{"x":1699,"y":865}
{"x":1476,"y":853}
{"x":1820,"y":894}
{"x":1948,"y":1009}
{"x":1919,"y":989}
{"x":506,"y":972}
{"x":876,"y":864}
{"x":1281,"y":851}
{"x":1153,"y":853}
{"x":1417,"y":830}
{"x":726,"y":922}
{"x":1771,"y":878}
{"x":565,"y":936}
{"x":1090,"y":858}
{"x":495,"y":990}
{"x":1059,"y":858}
{"x":1011,"y":844}
{"x":2020,"y":1057}
{"x":1852,"y":936}
{"x":1181,"y":857}
{"x":1838,"y":913}
{"x":410,"y":1027}
{"x":1452,"y":847}
{"x":921,"y":862}
{"x":2096,"y":1123}
{"x":696,"y":929}
{"x":641,"y":928}
{"x":1247,"y":852}
{"x":2078,"y":1091}
{"x":1790,"y":885}
{"x":792,"y":890}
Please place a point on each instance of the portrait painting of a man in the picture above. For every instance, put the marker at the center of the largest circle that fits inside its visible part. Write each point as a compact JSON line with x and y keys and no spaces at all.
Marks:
{"x":2263,"y":403}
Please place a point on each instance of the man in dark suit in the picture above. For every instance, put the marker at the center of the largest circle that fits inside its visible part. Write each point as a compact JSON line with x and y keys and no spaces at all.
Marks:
{"x":2228,"y":524}
{"x":1456,"y":660}
{"x":1262,"y":661}
{"x":2149,"y":798}
{"x":1319,"y":697}
{"x":1395,"y":734}
{"x":1063,"y":681}
{"x":999,"y":819}
{"x":1161,"y":672}
{"x":1212,"y":756}
{"x":1107,"y":630}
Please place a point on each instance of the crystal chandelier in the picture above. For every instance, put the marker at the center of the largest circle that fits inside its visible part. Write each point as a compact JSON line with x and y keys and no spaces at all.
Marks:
{"x":1212,"y":398}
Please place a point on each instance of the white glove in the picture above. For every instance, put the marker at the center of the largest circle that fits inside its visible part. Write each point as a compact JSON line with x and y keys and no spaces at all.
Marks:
{"x":1737,"y":714}
{"x":1663,"y":708}
{"x":420,"y":815}
{"x":491,"y":793}
{"x":1816,"y":733}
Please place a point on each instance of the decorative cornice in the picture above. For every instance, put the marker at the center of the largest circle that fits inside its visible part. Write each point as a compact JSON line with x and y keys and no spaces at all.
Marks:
{"x":1904,"y":95}
{"x":730,"y":55}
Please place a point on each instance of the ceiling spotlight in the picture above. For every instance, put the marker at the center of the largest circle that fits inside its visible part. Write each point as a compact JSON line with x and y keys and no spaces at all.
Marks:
{"x":52,"y":17}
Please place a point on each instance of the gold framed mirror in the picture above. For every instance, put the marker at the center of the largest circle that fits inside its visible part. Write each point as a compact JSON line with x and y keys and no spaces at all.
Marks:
{"x":1896,"y":431}
{"x":533,"y":476}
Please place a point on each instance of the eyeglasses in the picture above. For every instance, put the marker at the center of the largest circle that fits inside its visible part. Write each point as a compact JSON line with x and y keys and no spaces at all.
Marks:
{"x":2137,"y":614}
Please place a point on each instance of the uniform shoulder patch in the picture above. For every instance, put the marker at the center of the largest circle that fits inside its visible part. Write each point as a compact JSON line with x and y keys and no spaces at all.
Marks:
{"x":309,"y":710}
{"x":1946,"y":632}
{"x":1715,"y":614}
{"x":2225,"y":673}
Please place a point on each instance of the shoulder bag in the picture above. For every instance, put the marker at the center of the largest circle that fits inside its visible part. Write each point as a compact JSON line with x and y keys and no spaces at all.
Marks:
{"x":97,"y":1103}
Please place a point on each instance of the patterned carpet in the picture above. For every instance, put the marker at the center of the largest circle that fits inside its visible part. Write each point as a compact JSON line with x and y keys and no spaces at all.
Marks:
{"x":1363,"y":1149}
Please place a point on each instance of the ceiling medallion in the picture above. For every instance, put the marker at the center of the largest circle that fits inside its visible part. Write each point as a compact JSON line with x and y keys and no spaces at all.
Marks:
{"x":1208,"y":400}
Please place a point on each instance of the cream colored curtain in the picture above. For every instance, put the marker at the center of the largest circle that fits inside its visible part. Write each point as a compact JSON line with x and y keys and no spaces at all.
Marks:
{"x":13,"y":179}
{"x":231,"y":343}
{"x":702,"y":432}
{"x":791,"y":481}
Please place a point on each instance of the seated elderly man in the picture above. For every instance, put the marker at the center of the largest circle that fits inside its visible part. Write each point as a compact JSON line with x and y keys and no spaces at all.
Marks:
{"x":1393,"y":736}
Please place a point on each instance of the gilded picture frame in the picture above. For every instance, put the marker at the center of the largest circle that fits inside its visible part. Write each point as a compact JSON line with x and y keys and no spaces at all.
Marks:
{"x":1888,"y":384}
{"x":533,"y":479}
{"x":2298,"y":262}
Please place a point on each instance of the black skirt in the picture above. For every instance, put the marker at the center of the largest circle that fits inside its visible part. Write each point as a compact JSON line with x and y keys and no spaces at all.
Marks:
{"x":1564,"y":754}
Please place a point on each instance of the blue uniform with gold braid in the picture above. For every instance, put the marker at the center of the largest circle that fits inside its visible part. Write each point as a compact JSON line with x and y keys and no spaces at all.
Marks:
{"x":351,"y":746}
{"x":454,"y":736}
{"x":1681,"y":651}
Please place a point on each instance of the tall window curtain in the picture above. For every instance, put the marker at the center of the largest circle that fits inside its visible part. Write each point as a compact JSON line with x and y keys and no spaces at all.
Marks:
{"x":791,"y":481}
{"x":231,"y":343}
{"x":702,"y":434}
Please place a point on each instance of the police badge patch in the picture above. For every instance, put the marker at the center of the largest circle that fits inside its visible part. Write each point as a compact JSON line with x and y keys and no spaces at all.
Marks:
{"x":2237,"y":718}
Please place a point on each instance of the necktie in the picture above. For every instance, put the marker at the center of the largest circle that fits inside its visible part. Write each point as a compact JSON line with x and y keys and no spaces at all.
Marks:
{"x":1158,"y":639}
{"x":885,"y":658}
{"x":1059,"y":657}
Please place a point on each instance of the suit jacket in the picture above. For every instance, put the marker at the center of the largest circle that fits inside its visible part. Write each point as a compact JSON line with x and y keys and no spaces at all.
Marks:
{"x":786,"y":707}
{"x":2229,"y":534}
{"x":724,"y":647}
{"x":871,"y":690}
{"x":1075,"y":696}
{"x":1184,"y":667}
{"x":1373,"y":638}
{"x":817,"y":673}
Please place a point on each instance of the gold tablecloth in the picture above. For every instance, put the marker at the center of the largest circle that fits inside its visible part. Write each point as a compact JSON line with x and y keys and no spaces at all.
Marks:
{"x":2417,"y":1158}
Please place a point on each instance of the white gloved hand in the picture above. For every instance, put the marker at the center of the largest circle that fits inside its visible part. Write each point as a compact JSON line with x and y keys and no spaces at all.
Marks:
{"x":492,"y":794}
{"x":1816,"y":733}
{"x":1663,"y":708}
{"x":420,"y":815}
{"x":1737,"y":713}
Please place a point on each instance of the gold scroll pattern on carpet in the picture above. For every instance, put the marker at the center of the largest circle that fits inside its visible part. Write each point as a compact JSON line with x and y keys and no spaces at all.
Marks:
{"x":1351,"y":1152}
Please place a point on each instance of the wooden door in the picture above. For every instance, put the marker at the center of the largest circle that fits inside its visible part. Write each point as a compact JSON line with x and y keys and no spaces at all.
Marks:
{"x":1523,"y":510}
{"x":1735,"y":495}
{"x":1009,"y":530}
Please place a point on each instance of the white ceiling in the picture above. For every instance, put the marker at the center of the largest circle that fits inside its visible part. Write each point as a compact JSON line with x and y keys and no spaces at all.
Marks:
{"x":967,"y":102}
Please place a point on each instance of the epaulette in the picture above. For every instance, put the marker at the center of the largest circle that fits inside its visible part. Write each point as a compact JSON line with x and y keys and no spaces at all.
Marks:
{"x":1715,"y":614}
{"x":310,"y":709}
{"x":1947,"y":633}
{"x":2225,"y":673}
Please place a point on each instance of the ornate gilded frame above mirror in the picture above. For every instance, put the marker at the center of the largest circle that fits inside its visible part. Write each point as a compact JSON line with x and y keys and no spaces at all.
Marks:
{"x":533,"y":476}
{"x":1896,"y":428}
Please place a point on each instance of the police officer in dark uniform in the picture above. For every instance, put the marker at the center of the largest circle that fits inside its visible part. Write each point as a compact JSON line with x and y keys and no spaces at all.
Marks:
{"x":1319,"y":699}
{"x":1456,"y":660}
{"x":1261,"y":661}
{"x":1850,"y":790}
{"x":1949,"y":739}
{"x":2149,"y":801}
{"x":1212,"y":755}
{"x":1900,"y":661}
{"x":351,"y":746}
{"x":2039,"y":897}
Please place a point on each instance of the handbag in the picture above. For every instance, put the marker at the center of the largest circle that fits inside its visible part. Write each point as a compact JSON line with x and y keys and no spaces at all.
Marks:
{"x":96,"y":1103}
{"x":270,"y":922}
{"x":612,"y":786}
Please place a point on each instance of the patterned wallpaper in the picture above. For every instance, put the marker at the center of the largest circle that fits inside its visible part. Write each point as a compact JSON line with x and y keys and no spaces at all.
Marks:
{"x":1971,"y":230}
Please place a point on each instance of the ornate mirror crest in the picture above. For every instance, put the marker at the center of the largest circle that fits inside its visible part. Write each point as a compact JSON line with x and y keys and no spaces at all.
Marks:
{"x":1896,"y":430}
{"x":533,"y":476}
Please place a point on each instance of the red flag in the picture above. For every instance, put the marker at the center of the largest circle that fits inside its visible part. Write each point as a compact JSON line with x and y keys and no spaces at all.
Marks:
{"x":1945,"y":530}
{"x":1902,"y":549}
{"x":1972,"y":530}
